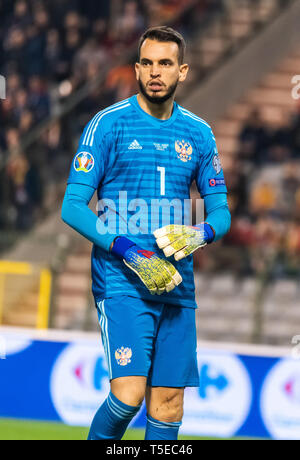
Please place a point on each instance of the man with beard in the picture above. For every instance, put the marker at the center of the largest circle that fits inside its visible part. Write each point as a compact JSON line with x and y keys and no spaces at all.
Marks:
{"x":146,"y":151}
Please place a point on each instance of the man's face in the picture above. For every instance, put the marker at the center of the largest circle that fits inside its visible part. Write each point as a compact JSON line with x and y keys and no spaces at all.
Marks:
{"x":158,"y":72}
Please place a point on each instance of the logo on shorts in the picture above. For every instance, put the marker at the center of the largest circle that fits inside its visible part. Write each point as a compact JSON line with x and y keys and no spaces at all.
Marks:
{"x":84,"y":161}
{"x":123,"y":356}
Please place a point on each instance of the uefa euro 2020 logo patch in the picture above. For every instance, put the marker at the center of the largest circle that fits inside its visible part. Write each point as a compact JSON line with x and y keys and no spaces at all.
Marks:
{"x":84,"y":162}
{"x":123,"y":356}
{"x":184,"y":150}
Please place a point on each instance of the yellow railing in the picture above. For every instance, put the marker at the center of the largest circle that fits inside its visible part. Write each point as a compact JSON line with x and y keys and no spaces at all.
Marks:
{"x":16,"y":280}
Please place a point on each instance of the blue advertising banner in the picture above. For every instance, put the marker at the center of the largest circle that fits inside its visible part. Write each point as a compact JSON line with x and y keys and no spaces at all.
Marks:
{"x":240,"y":394}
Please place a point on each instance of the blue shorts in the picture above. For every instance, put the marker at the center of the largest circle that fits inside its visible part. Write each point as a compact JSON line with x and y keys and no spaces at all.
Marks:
{"x":152,"y":339}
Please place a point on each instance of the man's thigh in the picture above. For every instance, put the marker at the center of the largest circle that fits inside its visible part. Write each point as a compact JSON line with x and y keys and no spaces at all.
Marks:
{"x":128,"y":329}
{"x":174,"y":361}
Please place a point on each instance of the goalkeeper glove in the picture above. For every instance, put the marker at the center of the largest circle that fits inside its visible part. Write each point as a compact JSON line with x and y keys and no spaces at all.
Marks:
{"x":183,"y":240}
{"x":157,"y":274}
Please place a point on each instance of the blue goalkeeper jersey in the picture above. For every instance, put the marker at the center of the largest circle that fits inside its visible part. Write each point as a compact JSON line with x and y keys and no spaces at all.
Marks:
{"x":142,"y":169}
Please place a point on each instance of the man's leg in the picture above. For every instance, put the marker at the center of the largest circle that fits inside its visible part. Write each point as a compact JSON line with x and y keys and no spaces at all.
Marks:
{"x":122,"y":404}
{"x":164,"y":412}
{"x":173,"y":367}
{"x":128,"y":327}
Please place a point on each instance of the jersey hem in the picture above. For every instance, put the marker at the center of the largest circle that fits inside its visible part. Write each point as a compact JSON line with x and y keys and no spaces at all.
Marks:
{"x":178,"y":303}
{"x":214,"y":192}
{"x":173,"y":385}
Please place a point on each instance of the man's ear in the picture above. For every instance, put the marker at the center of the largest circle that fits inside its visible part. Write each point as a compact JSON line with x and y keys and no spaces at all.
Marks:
{"x":183,"y":71}
{"x":137,"y":70}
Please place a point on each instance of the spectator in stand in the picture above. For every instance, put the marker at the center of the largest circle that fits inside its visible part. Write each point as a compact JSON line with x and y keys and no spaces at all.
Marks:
{"x":12,"y":140}
{"x":237,"y":184}
{"x":22,"y":17}
{"x":14,"y":48}
{"x":95,"y":10}
{"x":91,"y":53}
{"x":295,"y":133}
{"x":25,"y":189}
{"x":72,"y":43}
{"x":278,"y":154}
{"x":122,"y":81}
{"x":253,"y":139}
{"x":53,"y":56}
{"x":130,"y":24}
{"x":38,"y":98}
{"x":26,"y":122}
{"x":263,"y":198}
{"x":20,"y":104}
{"x":290,"y":186}
{"x":34,"y":51}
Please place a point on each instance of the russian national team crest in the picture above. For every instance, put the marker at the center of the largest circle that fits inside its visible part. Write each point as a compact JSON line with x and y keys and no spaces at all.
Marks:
{"x":184,"y":150}
{"x":123,"y":356}
{"x":84,"y":162}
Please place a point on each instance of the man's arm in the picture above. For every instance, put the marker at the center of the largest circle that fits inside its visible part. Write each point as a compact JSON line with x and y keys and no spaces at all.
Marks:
{"x":77,"y":214}
{"x":157,"y":274}
{"x":217,"y":214}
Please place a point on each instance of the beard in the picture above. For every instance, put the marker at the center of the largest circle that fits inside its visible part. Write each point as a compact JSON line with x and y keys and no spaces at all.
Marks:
{"x":157,"y":99}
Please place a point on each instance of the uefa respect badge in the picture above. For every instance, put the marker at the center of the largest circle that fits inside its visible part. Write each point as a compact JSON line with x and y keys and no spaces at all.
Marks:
{"x":84,"y":161}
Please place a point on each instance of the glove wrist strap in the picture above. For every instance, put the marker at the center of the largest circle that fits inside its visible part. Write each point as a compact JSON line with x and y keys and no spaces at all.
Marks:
{"x":209,"y":233}
{"x":121,"y":245}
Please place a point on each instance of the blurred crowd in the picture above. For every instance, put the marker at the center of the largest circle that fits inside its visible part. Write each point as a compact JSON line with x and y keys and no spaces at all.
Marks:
{"x":48,"y":50}
{"x":265,"y":195}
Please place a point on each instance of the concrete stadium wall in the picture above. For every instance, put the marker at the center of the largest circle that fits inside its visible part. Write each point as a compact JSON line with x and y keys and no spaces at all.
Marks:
{"x":243,"y":71}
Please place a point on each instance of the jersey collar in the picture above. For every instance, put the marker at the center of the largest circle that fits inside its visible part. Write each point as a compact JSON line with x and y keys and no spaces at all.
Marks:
{"x":155,"y":121}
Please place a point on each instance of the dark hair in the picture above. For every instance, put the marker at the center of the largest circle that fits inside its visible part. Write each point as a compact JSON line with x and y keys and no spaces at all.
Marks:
{"x":164,"y":34}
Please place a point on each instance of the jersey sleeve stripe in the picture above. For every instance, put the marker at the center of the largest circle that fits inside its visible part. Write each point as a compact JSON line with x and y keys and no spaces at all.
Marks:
{"x":98,"y":116}
{"x":194,"y":117}
{"x":90,"y":144}
{"x":95,"y":118}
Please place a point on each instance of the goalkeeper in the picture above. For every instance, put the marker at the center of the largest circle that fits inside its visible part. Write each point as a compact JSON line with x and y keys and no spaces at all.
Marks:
{"x":143,"y":284}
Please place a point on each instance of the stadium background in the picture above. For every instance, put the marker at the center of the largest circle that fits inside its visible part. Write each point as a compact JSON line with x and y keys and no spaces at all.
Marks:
{"x":63,"y":61}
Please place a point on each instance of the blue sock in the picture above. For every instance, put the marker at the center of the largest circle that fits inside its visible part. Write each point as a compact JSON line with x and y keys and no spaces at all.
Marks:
{"x":161,"y":430}
{"x":112,"y":419}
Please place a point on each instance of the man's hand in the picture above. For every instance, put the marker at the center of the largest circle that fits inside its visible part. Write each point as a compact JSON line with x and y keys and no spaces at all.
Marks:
{"x":183,"y":240}
{"x":157,"y":274}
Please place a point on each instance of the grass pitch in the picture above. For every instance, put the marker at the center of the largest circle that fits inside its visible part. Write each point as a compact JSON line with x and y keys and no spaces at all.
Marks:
{"x":23,"y":430}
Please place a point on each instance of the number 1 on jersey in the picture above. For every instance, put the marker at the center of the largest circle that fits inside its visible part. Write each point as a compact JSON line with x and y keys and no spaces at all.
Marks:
{"x":162,"y":180}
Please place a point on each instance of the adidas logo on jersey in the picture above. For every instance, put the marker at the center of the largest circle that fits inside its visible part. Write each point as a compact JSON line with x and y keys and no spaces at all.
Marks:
{"x":135,"y":145}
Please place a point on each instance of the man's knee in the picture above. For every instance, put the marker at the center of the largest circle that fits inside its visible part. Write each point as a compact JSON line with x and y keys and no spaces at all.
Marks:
{"x":166,"y":405}
{"x":129,"y":390}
